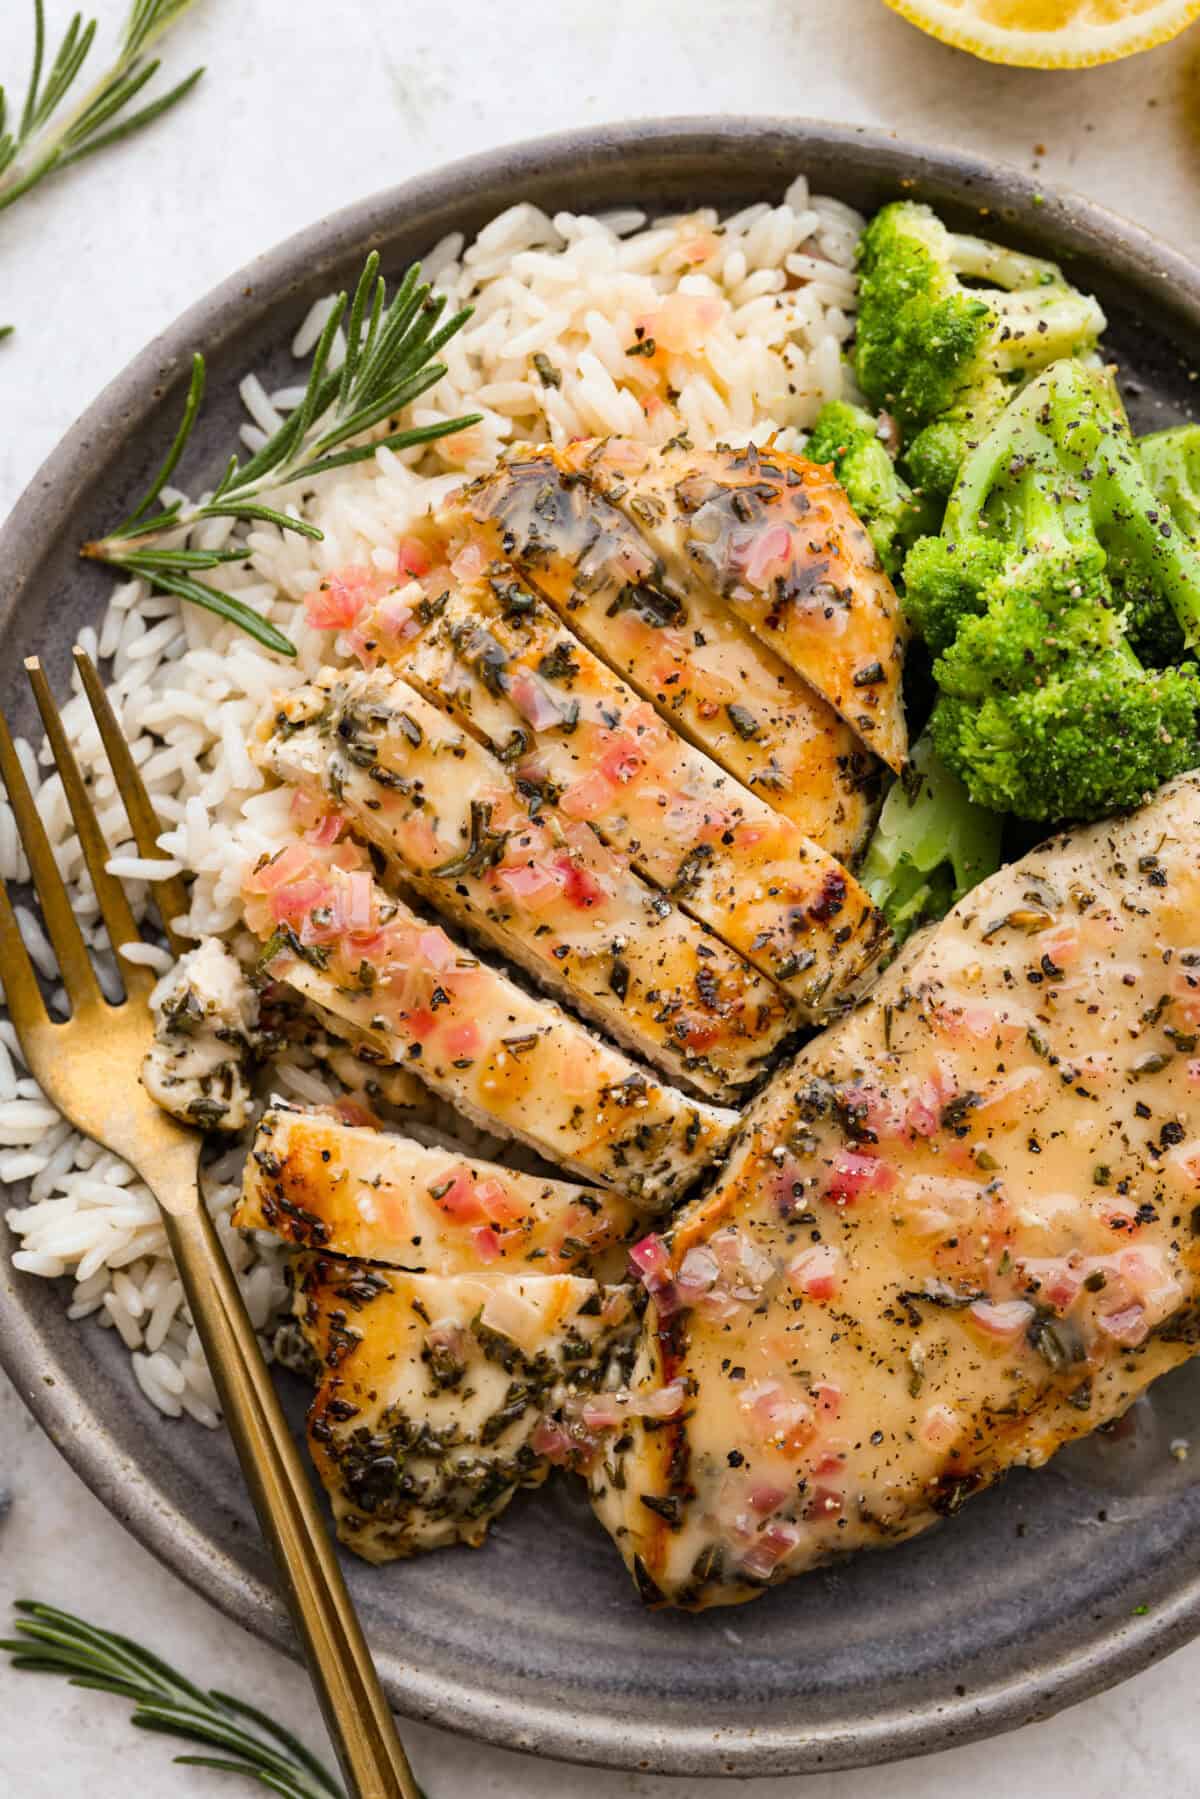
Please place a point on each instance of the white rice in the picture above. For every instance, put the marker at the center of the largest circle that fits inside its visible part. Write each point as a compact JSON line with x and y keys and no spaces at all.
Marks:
{"x":187,"y":687}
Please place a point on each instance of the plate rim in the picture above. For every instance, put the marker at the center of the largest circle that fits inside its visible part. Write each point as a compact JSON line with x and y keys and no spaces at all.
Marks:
{"x":38,"y":1374}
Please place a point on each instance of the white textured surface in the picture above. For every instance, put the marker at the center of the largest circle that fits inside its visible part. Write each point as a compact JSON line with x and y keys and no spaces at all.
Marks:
{"x":295,"y":119}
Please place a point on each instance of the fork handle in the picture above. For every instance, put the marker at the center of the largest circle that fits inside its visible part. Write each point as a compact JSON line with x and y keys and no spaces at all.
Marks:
{"x":357,"y":1715}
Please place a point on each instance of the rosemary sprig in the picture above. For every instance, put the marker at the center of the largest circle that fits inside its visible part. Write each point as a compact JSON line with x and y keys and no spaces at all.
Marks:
{"x":49,"y":1641}
{"x":388,"y":362}
{"x":41,"y":139}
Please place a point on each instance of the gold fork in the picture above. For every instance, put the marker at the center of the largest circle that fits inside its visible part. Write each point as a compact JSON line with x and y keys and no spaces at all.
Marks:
{"x":90,"y":1066}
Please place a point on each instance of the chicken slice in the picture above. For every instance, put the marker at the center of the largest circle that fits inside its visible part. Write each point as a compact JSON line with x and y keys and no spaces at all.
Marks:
{"x":776,"y":538}
{"x":958,"y":1232}
{"x":545,"y":892}
{"x":200,"y":1066}
{"x":352,"y":1191}
{"x":509,"y":1060}
{"x":711,"y":679}
{"x":433,"y":1392}
{"x":579,"y":739}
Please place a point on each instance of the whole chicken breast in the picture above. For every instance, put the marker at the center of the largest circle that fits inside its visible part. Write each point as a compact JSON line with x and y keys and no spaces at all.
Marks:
{"x":434,"y":1392}
{"x":777,"y":539}
{"x":716,"y":683}
{"x":510,"y":1061}
{"x":961,"y":1230}
{"x":349,"y":1190}
{"x":580,"y":741}
{"x":544,"y":891}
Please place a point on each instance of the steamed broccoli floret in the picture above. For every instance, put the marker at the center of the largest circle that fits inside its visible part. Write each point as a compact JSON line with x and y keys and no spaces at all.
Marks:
{"x":1045,"y":710}
{"x":932,"y":844}
{"x":1088,"y":744}
{"x":949,"y":325}
{"x":894,"y":515}
{"x":1152,"y":628}
{"x":945,"y":582}
{"x":936,"y":454}
{"x":1171,"y":463}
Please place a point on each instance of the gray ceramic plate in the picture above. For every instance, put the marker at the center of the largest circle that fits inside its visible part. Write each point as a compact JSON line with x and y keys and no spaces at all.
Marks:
{"x":1050,"y":1587}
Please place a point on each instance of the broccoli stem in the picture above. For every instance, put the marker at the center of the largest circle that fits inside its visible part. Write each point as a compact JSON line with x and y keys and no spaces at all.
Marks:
{"x":1146,"y":533}
{"x":1171,"y":463}
{"x":1013,"y":440}
{"x":1068,"y":427}
{"x":931,"y":846}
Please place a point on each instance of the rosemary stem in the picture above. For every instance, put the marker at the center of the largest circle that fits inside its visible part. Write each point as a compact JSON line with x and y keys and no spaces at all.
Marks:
{"x":388,"y":363}
{"x":45,"y":141}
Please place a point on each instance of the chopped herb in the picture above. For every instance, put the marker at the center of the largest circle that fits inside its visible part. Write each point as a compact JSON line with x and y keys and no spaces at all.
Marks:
{"x":514,"y":748}
{"x":668,"y":1508}
{"x":282,"y":938}
{"x":1056,"y":1341}
{"x":558,"y":664}
{"x":658,"y":609}
{"x":547,"y":374}
{"x":484,"y":850}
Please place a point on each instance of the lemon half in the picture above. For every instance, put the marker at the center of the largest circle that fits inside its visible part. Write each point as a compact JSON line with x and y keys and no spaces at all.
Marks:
{"x":1050,"y":34}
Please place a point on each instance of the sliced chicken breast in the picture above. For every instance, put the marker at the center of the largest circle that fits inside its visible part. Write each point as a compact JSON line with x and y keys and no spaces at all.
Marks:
{"x":710,"y":677}
{"x":352,"y":1191}
{"x":509,"y":1060}
{"x":578,"y":739}
{"x":433,"y":1392}
{"x":961,"y":1230}
{"x":543,"y":890}
{"x":776,"y":538}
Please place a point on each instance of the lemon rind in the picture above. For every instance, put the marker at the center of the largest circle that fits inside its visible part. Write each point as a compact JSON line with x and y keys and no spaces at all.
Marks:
{"x":1088,"y":46}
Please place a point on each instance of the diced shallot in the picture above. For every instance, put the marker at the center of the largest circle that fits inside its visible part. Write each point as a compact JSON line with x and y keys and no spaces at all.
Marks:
{"x":412,"y":558}
{"x":355,"y":902}
{"x":1129,"y":1326}
{"x":698,"y":1272}
{"x":533,"y":885}
{"x":760,"y":552}
{"x":588,"y":797}
{"x":550,"y":1440}
{"x":537,"y":707}
{"x":337,"y":602}
{"x":777,"y":1540}
{"x":469,"y":563}
{"x":436,"y":951}
{"x":487,"y":1248}
{"x":651,"y":1260}
{"x":1005,"y":1320}
{"x":816,"y":1271}
{"x":855,"y":1173}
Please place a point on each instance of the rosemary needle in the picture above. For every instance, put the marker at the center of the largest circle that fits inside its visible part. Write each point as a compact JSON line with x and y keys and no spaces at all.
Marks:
{"x":43,"y":138}
{"x":389,"y":360}
{"x":247,"y":1742}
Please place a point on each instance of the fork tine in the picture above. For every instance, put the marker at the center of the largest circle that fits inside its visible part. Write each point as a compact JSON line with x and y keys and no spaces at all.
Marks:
{"x":74,"y":959}
{"x":170,"y":895}
{"x":114,"y":907}
{"x":22,"y":995}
